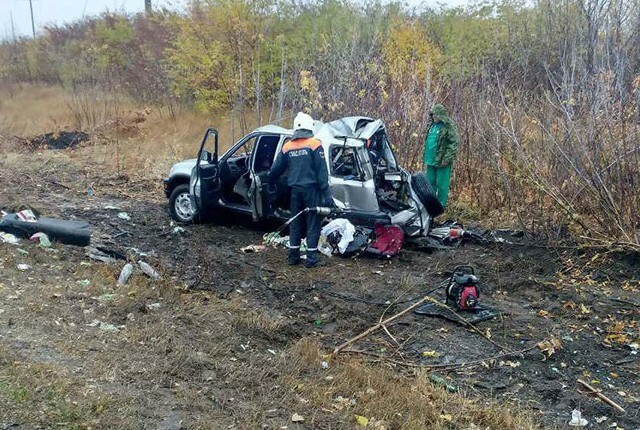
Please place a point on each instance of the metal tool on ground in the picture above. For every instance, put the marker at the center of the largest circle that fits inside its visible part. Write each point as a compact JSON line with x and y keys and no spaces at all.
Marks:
{"x":462,"y":291}
{"x":320,"y":210}
{"x":462,"y":299}
{"x":454,"y":234}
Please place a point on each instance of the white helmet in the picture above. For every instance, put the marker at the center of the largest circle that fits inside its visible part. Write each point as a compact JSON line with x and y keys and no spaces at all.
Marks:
{"x":303,"y":121}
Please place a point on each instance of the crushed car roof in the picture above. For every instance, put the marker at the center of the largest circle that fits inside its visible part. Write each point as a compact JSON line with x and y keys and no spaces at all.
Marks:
{"x":352,"y":127}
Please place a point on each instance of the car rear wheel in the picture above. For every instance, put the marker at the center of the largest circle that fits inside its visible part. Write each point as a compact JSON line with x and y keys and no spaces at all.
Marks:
{"x":427,"y":196}
{"x":180,"y":205}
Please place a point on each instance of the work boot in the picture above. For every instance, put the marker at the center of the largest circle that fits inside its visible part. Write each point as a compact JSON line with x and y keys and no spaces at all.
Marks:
{"x":294,"y":257}
{"x":313,"y":260}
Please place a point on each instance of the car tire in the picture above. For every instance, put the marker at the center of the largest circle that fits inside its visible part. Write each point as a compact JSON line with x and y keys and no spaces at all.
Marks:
{"x":423,"y":189}
{"x":180,"y":205}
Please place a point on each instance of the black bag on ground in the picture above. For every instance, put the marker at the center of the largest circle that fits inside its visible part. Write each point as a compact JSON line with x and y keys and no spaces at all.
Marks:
{"x":69,"y":232}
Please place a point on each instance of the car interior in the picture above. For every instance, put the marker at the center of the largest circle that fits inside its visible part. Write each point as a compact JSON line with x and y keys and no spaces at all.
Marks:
{"x":266,"y":155}
{"x":260,"y":152}
{"x":235,"y":174}
{"x":343,"y":163}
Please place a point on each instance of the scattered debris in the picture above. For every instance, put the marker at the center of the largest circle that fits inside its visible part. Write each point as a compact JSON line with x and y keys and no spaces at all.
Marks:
{"x":125,"y":274}
{"x":297,"y":418}
{"x":96,"y":254}
{"x":274,"y":239}
{"x":550,"y":346}
{"x":253,"y":248}
{"x":42,"y":239}
{"x":123,"y":215}
{"x":577,"y":420}
{"x":9,"y":238}
{"x":104,"y":326}
{"x":117,"y":255}
{"x":179,"y":230}
{"x":154,"y":306}
{"x":26,"y":215}
{"x":439,"y":380}
{"x":362,"y":421}
{"x":23,"y":267}
{"x":84,"y":282}
{"x":148,"y":270}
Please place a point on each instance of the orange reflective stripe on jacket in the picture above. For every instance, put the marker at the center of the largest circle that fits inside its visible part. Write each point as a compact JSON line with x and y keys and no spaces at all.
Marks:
{"x":310,"y":143}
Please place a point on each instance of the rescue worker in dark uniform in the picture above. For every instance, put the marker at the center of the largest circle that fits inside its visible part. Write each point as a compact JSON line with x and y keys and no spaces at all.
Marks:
{"x":308,"y":179}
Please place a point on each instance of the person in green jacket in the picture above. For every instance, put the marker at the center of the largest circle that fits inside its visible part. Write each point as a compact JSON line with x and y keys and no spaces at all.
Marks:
{"x":440,"y":150}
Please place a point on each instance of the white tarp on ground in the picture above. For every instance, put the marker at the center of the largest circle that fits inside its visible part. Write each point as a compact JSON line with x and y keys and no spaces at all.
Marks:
{"x":346,"y":230}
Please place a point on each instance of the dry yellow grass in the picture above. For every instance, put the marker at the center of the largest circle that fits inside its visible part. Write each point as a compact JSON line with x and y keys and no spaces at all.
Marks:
{"x":147,"y":148}
{"x":27,"y":110}
{"x":392,"y":398}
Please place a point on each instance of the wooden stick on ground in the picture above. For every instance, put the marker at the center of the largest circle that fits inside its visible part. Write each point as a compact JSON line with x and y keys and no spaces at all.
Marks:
{"x":602,"y":397}
{"x":379,"y":325}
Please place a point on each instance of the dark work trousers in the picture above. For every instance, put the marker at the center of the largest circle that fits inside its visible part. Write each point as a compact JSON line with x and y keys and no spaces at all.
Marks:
{"x":301,"y":198}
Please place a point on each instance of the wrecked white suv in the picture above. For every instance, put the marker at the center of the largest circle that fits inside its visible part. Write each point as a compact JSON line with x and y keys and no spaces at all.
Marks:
{"x":364,"y":177}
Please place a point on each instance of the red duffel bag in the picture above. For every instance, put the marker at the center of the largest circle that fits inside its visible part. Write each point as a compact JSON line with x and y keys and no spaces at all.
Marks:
{"x":388,"y":241}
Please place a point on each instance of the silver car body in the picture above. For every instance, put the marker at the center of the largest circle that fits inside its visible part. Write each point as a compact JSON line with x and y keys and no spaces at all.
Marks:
{"x":357,"y":193}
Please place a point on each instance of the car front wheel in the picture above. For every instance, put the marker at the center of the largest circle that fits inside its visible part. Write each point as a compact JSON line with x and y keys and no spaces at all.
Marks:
{"x":180,"y":205}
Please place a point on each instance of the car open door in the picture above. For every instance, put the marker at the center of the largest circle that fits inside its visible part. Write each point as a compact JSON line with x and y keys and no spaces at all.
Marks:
{"x":205,"y":179}
{"x":262,"y":159}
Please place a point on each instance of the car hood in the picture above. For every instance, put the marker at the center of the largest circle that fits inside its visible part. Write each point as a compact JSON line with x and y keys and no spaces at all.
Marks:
{"x":183,"y":168}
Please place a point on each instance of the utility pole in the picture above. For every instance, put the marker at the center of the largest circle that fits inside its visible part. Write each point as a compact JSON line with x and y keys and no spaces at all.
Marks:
{"x":147,"y":6}
{"x":13,"y":29}
{"x":33,"y":25}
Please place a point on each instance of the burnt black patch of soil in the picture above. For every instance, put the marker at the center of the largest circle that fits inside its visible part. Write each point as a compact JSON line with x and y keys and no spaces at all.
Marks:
{"x":61,"y":140}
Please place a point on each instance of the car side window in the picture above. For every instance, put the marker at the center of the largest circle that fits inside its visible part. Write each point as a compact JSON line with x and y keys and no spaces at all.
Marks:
{"x":265,"y":152}
{"x":344,"y":163}
{"x":246,"y":148}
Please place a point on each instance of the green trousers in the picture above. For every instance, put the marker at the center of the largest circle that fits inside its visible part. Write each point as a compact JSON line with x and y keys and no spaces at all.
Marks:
{"x":440,"y":178}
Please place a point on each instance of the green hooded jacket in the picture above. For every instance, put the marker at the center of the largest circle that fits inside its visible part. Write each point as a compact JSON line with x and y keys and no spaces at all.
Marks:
{"x":447,"y":147}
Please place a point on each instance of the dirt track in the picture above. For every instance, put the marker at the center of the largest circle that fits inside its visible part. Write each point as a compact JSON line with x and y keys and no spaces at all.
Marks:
{"x":215,"y":345}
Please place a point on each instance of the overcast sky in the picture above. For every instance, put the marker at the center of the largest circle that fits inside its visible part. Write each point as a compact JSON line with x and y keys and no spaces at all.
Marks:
{"x":61,"y":11}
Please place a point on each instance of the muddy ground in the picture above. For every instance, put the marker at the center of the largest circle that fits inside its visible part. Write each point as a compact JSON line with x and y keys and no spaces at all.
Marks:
{"x":210,"y":345}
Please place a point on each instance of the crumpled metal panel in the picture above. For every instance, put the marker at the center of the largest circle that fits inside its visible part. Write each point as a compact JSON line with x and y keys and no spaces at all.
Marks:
{"x":355,"y":194}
